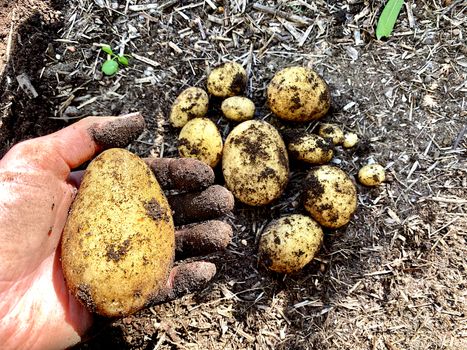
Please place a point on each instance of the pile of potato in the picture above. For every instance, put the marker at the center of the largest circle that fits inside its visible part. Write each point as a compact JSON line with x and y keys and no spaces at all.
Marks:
{"x":255,"y":158}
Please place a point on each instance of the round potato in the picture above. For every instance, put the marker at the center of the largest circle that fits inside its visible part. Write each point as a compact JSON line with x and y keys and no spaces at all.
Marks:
{"x":118,"y":242}
{"x":289,"y":243}
{"x":238,"y":108}
{"x":330,"y":196}
{"x":255,"y":163}
{"x":332,"y":132}
{"x":311,"y":148}
{"x":228,"y":79}
{"x":350,"y":140}
{"x":371,"y":175}
{"x":298,"y":94}
{"x":201,"y":139}
{"x":191,"y":103}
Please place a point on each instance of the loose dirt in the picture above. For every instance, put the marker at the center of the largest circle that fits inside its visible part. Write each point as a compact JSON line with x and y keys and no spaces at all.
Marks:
{"x":394,"y":278}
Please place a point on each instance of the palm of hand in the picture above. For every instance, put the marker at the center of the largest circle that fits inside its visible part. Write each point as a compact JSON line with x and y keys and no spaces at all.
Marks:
{"x":31,"y":272}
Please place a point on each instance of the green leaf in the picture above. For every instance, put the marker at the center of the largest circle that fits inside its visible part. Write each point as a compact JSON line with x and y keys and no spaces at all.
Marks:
{"x":123,"y":60}
{"x":109,"y":67}
{"x":107,"y":49}
{"x":388,"y":18}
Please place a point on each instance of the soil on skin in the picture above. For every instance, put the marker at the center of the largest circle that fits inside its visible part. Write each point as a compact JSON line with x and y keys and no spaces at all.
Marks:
{"x":394,"y":277}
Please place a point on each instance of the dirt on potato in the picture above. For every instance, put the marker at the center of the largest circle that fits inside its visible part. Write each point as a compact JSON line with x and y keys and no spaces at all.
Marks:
{"x":394,"y":278}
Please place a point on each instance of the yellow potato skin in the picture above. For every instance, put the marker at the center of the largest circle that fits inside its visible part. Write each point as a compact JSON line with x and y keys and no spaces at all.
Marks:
{"x":312,"y":149}
{"x":371,"y":175}
{"x":227,"y":79}
{"x":350,"y":140}
{"x":289,"y":243}
{"x":332,"y":132}
{"x":118,"y":242}
{"x":192,"y":102}
{"x":200,"y":139}
{"x":298,"y":94}
{"x":255,"y":163}
{"x":238,"y":108}
{"x":330,"y":196}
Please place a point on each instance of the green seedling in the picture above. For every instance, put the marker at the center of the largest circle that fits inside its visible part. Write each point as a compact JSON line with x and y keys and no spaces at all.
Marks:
{"x":111,"y":66}
{"x":388,"y":18}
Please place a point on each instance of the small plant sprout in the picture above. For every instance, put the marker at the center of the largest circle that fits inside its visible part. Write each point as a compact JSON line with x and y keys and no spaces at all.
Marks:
{"x":111,"y":65}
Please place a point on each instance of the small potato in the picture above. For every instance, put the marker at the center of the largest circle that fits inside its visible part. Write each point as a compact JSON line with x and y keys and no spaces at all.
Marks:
{"x":118,"y":243}
{"x":333,"y":132}
{"x":289,"y":243}
{"x":228,"y":79}
{"x":255,"y":163}
{"x":238,"y":108}
{"x":191,"y":103}
{"x":201,"y":139}
{"x":298,"y":94}
{"x":350,"y":140}
{"x":330,"y":196}
{"x":311,"y":148}
{"x":371,"y":175}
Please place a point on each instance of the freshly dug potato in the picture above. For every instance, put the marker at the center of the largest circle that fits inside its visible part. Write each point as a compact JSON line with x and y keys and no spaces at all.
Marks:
{"x":118,"y":242}
{"x":350,"y":140}
{"x":298,"y":94}
{"x":311,"y":148}
{"x":332,"y":132}
{"x":371,"y":175}
{"x":255,"y":163}
{"x":289,"y":243}
{"x":201,"y":139}
{"x":331,"y":196}
{"x":227,"y":79}
{"x":238,"y":108}
{"x":191,"y":103}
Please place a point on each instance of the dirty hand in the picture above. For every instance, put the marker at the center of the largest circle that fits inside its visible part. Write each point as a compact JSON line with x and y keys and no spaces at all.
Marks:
{"x":36,"y":191}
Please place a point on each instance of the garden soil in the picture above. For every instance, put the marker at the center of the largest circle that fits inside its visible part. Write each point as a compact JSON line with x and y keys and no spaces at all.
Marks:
{"x":394,"y":278}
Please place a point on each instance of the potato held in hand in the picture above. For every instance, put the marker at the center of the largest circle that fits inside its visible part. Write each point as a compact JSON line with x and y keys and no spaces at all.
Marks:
{"x":289,"y":243}
{"x":255,"y":163}
{"x":118,"y":242}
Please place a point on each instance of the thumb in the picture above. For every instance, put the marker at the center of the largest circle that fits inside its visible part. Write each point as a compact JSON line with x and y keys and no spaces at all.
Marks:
{"x":72,"y":146}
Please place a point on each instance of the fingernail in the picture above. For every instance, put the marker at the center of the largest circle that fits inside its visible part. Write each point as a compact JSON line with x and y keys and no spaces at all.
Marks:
{"x":118,"y":131}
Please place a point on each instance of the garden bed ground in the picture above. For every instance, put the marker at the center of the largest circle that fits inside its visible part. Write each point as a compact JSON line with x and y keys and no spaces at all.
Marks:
{"x":394,"y":278}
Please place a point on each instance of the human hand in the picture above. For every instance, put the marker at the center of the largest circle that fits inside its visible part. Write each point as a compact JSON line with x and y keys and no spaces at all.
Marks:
{"x":37,"y":189}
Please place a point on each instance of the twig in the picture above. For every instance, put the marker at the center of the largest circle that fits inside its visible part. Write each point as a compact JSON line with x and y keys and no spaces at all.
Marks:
{"x":146,"y":60}
{"x":459,"y":137}
{"x":10,"y":40}
{"x":304,"y":21}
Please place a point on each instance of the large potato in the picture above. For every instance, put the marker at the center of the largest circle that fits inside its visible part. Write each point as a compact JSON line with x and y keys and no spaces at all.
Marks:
{"x":118,"y":242}
{"x":331,"y":196}
{"x":192,"y":103}
{"x":311,"y":148}
{"x":298,"y":94}
{"x":227,"y":79}
{"x":238,"y":108}
{"x":200,"y":139}
{"x":289,"y":243}
{"x":255,"y":163}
